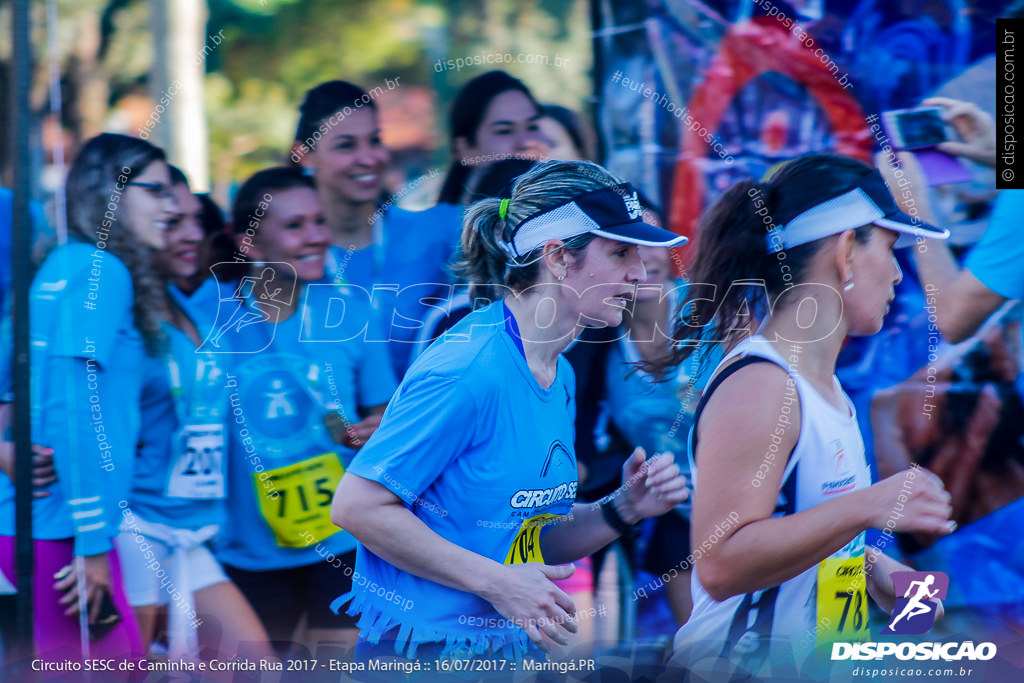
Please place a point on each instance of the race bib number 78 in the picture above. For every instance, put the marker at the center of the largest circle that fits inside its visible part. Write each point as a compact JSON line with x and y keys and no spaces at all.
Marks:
{"x":842,"y":600}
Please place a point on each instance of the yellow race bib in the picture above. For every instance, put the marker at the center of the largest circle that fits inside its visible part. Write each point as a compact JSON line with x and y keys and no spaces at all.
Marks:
{"x":526,"y":546}
{"x":300,"y":514}
{"x":842,"y":600}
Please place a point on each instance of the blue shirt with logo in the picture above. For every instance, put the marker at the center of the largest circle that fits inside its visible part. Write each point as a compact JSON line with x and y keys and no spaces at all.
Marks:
{"x":406,"y":263}
{"x":283,"y":378}
{"x":474,"y":447}
{"x":86,"y":358}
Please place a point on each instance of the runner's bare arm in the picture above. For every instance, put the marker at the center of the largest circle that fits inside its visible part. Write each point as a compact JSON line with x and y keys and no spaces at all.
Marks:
{"x":522,"y":592}
{"x":651,"y":487}
{"x":759,"y":551}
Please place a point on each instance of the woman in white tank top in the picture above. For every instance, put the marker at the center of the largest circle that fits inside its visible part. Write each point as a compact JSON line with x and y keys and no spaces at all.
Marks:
{"x":783,"y":492}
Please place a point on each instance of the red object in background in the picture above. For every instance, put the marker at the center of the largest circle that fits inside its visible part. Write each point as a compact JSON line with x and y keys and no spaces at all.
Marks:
{"x":774,"y":130}
{"x":748,"y":50}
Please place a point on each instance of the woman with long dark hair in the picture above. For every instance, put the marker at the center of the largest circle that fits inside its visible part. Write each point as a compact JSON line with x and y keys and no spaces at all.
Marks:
{"x":784,"y":271}
{"x":95,"y":312}
{"x":494,"y":117}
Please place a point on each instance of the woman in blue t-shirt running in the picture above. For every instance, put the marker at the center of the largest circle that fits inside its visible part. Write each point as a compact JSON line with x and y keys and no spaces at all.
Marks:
{"x":463,"y":500}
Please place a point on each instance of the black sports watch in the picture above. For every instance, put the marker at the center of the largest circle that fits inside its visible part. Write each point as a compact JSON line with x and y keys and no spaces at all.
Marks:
{"x":614,"y":519}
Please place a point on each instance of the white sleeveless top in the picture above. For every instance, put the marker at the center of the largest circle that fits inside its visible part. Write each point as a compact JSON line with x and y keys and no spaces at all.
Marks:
{"x":776,"y":625}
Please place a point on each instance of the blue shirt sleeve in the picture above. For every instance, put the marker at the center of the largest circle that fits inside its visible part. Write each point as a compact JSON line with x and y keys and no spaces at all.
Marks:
{"x":447,"y":219}
{"x":83,"y":450}
{"x":96,"y":302}
{"x":375,"y":377}
{"x":431,"y":421}
{"x":82,"y":307}
{"x":996,"y":259}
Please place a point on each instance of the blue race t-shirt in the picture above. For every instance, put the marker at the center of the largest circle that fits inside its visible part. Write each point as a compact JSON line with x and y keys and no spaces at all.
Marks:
{"x":650,"y":413}
{"x":285,"y":381}
{"x":39,"y":229}
{"x":406,"y":263}
{"x":86,"y":369}
{"x":180,"y":470}
{"x":475,"y":448}
{"x":996,"y":260}
{"x":654,"y":414}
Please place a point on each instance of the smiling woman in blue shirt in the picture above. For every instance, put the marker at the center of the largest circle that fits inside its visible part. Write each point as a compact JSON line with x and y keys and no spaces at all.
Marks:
{"x":95,"y":314}
{"x":463,"y":500}
{"x":306,"y":387}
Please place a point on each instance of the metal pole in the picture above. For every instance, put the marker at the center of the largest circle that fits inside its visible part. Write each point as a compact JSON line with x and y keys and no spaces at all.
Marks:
{"x":21,"y":249}
{"x":597,"y":44}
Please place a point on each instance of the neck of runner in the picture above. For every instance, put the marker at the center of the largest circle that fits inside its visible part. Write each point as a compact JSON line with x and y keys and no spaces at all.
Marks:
{"x":351,"y":223}
{"x":817,"y":334}
{"x":541,"y":345}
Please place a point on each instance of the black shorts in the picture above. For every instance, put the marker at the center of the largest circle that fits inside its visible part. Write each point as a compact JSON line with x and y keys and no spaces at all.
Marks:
{"x":667,"y":545}
{"x":281,"y":596}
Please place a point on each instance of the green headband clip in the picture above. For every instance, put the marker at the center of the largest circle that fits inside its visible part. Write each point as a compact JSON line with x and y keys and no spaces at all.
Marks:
{"x":503,"y":209}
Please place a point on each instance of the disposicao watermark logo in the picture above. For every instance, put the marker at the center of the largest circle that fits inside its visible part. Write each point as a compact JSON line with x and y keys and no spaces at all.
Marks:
{"x":914,"y":613}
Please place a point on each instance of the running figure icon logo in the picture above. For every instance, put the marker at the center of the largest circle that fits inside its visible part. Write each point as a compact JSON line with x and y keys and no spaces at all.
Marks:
{"x":914,"y":613}
{"x":255,"y":299}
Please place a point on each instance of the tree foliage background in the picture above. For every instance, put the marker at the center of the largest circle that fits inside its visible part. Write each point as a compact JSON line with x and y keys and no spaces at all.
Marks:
{"x":272,"y":51}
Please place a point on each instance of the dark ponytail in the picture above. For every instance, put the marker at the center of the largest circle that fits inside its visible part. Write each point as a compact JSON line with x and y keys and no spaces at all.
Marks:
{"x":736,"y":281}
{"x":98,"y":173}
{"x":454,"y":183}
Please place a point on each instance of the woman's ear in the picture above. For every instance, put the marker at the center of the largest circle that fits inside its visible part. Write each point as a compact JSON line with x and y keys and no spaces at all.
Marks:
{"x":463,"y":149}
{"x":844,"y":255}
{"x":248,"y":247}
{"x":299,"y":154}
{"x":558,"y":259}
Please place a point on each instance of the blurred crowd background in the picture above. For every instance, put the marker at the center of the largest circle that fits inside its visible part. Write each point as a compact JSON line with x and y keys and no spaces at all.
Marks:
{"x":217,"y":85}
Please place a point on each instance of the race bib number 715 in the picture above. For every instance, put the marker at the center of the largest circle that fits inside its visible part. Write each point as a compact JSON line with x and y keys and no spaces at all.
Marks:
{"x":300,"y":514}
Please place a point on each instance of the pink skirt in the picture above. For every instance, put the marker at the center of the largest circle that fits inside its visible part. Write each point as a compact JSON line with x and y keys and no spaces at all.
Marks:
{"x":57,"y":636}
